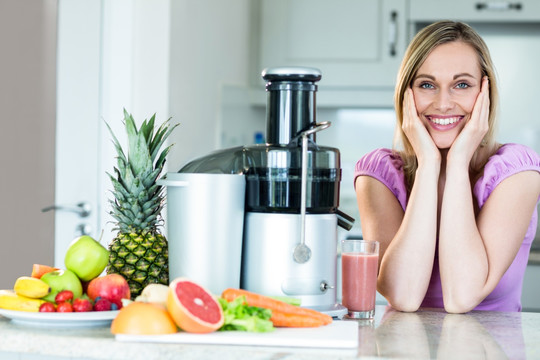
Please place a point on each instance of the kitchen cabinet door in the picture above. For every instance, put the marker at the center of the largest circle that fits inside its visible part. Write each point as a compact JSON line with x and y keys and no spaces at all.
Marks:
{"x":474,"y":11}
{"x":356,"y":44}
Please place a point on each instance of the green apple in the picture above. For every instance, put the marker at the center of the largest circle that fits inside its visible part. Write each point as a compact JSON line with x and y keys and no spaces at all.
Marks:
{"x":60,"y":280}
{"x":86,"y":257}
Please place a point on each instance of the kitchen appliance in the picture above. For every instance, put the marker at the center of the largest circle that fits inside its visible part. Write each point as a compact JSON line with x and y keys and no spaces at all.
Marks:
{"x":292,"y":196}
{"x":206,"y":227}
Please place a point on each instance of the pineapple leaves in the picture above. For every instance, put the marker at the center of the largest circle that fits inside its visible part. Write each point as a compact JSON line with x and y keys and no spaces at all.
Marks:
{"x":116,"y":143}
{"x":161,"y":135}
{"x":138,"y":154}
{"x":138,"y":200}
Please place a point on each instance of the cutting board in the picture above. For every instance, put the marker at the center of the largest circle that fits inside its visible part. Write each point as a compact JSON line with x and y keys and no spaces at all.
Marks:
{"x":338,"y":335}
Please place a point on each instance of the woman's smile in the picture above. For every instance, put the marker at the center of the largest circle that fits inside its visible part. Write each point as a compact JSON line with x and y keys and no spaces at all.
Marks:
{"x":444,"y":123}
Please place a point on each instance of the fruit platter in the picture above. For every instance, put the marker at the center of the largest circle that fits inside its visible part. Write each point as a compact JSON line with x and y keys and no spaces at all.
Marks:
{"x":77,"y":296}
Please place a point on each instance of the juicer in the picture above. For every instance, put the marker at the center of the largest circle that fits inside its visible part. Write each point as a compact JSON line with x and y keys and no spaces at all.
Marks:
{"x":292,"y":195}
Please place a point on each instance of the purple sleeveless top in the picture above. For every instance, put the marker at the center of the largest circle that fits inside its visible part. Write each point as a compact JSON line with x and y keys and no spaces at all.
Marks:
{"x":385,"y":166}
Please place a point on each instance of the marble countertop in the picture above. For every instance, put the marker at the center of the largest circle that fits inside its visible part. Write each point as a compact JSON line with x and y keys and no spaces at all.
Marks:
{"x":426,"y":334}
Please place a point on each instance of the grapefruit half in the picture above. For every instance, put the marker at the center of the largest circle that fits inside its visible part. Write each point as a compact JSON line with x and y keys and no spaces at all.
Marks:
{"x":193,"y":308}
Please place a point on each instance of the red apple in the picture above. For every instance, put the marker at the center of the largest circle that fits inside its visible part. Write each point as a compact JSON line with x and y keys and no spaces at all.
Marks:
{"x":112,"y":287}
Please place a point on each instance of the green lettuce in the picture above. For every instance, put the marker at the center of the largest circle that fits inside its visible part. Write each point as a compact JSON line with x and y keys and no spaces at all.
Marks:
{"x":241,"y":317}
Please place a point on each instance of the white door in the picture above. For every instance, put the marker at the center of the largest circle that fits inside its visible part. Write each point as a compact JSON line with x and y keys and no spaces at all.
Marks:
{"x":77,"y":125}
{"x":111,"y":56}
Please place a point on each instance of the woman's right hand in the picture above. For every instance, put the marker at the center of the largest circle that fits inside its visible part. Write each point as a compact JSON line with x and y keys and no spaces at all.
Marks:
{"x":422,"y":143}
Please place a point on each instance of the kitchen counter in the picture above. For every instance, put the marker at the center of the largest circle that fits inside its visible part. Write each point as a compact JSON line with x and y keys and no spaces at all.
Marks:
{"x":425,"y":334}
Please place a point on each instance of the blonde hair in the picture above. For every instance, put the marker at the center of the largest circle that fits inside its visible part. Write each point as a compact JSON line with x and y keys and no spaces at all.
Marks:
{"x":418,"y":50}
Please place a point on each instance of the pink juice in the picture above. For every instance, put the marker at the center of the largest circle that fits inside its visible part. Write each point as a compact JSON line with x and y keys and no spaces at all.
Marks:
{"x":359,"y":281}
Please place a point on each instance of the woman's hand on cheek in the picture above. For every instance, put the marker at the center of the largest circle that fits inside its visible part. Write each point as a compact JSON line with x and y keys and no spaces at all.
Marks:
{"x":416,"y":131}
{"x":474,"y":130}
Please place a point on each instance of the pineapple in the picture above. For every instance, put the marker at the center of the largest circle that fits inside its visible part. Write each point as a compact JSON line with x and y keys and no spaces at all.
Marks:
{"x":139,"y":252}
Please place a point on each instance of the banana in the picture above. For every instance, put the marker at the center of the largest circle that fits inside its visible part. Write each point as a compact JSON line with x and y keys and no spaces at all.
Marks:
{"x":9,"y":300}
{"x":31,"y":287}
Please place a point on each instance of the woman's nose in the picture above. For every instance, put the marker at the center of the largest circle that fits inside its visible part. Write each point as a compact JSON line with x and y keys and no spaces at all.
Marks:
{"x":444,"y":101}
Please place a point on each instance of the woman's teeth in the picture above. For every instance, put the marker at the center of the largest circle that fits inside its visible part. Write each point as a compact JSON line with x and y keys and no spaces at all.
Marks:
{"x":445,"y":121}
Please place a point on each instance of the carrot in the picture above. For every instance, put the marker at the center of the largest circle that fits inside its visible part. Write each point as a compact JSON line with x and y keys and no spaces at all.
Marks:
{"x":254,"y":299}
{"x":281,"y":319}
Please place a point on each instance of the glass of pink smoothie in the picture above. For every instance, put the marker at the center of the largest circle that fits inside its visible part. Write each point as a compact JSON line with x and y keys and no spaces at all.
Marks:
{"x":359,"y":265}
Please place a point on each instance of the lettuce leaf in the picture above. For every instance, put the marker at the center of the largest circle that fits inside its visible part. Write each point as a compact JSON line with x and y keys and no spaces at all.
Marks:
{"x":241,"y":317}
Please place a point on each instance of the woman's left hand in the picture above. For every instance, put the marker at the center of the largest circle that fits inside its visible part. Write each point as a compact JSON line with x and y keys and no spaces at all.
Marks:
{"x":475,"y":129}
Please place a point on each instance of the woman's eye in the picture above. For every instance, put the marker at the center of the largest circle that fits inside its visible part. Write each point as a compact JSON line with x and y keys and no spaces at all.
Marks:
{"x":462,"y":85}
{"x":426,"y":86}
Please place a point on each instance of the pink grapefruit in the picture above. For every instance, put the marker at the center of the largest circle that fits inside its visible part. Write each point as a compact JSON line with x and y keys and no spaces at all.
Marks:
{"x":193,"y":308}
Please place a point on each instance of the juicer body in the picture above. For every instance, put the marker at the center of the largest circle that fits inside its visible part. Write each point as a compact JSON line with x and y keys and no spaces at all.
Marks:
{"x":268,"y":266}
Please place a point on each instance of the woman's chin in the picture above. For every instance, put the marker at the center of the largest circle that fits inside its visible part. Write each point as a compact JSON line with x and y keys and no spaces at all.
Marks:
{"x":443,"y":144}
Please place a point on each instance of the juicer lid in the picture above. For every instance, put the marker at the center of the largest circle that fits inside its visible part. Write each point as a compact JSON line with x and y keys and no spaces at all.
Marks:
{"x":292,"y":73}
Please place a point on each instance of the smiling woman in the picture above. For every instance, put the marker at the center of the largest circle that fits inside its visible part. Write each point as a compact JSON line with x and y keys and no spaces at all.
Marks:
{"x":454,"y":211}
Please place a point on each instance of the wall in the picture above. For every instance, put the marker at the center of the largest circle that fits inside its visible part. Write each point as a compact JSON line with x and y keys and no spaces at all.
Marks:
{"x":210,"y":42}
{"x":27,"y":107}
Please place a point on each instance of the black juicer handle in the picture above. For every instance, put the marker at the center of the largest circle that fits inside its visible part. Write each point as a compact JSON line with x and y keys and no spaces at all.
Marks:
{"x":345,"y":221}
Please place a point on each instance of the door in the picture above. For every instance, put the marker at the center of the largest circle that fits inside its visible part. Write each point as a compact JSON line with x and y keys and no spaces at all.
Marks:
{"x":77,"y":202}
{"x":111,"y":56}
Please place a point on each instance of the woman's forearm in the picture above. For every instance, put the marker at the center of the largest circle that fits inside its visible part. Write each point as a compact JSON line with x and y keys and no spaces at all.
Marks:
{"x":408,"y":262}
{"x":463,"y":259}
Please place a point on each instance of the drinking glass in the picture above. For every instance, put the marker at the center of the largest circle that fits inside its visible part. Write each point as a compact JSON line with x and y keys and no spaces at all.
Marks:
{"x":359,"y":265}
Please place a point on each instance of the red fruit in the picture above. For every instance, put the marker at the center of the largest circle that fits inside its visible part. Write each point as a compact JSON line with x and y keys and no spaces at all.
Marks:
{"x":64,"y":307}
{"x":82,"y":305}
{"x":64,"y":296}
{"x":47,"y":307}
{"x":112,"y":287}
{"x":103,"y":305}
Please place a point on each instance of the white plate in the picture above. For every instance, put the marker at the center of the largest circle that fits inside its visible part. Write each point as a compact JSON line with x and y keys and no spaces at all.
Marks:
{"x":61,"y":320}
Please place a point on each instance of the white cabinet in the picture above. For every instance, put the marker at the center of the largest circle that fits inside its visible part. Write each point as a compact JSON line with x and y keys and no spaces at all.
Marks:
{"x":475,"y":11}
{"x":356,"y":44}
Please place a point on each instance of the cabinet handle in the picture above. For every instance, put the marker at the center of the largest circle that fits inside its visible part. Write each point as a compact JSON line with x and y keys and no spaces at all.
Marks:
{"x":499,"y":6}
{"x":392,"y":33}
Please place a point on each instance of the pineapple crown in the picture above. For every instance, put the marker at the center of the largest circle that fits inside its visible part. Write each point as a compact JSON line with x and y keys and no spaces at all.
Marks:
{"x":138,"y":200}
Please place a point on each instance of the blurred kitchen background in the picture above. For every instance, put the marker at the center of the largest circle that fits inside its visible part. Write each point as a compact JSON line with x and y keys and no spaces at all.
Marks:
{"x":67,"y":66}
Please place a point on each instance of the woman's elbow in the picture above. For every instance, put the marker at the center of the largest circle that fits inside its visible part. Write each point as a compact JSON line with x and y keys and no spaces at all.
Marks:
{"x":404,"y":303}
{"x":454,"y":305}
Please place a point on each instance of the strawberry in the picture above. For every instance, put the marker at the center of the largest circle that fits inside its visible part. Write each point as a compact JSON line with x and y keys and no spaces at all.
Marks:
{"x":82,"y":305}
{"x":63,"y":296}
{"x":47,"y":307}
{"x":64,"y":307}
{"x":102,"y":305}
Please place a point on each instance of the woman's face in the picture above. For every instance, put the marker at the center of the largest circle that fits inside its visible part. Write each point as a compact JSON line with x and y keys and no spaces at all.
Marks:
{"x":445,"y":90}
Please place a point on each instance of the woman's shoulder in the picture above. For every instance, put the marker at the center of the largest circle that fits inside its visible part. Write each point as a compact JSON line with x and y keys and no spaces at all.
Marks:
{"x":512,"y":157}
{"x":379,"y":160}
{"x":386,"y":166}
{"x":509,"y":159}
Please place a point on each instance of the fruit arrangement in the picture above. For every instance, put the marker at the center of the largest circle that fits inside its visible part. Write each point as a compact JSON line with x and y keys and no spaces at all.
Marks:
{"x":186,"y":306}
{"x":77,"y":288}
